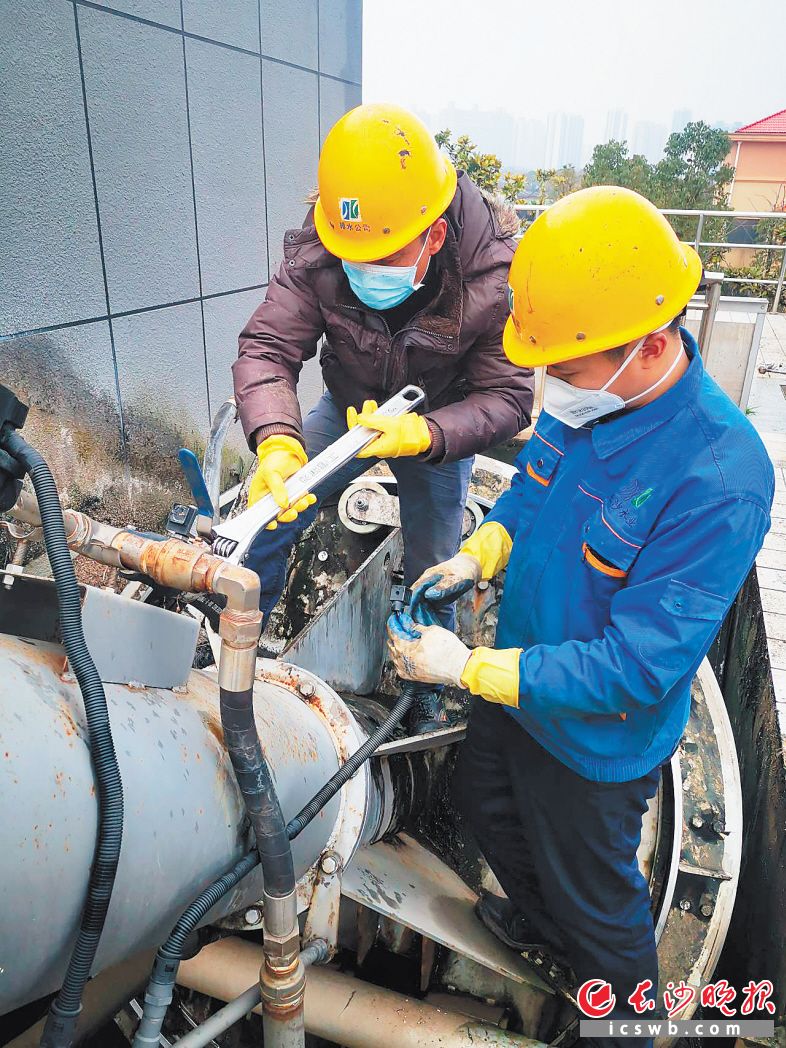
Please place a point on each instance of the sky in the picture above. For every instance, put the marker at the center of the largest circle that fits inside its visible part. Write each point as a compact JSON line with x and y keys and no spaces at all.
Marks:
{"x":721,"y":60}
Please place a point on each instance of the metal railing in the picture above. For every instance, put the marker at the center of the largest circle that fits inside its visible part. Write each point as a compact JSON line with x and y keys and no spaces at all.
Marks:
{"x":701,"y":216}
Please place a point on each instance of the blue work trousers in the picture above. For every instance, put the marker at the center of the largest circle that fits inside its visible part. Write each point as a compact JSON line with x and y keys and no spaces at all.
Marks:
{"x":431,"y":502}
{"x":564,"y":850}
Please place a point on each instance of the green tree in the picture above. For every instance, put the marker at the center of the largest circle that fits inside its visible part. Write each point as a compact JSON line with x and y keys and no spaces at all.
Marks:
{"x":693,"y":172}
{"x":485,"y":169}
{"x":543,"y":176}
{"x":612,"y":165}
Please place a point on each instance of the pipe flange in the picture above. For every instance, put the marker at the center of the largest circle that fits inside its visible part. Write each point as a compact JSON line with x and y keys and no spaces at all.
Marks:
{"x":356,"y":813}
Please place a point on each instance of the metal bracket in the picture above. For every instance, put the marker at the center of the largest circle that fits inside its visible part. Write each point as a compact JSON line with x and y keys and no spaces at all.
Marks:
{"x":325,"y":905}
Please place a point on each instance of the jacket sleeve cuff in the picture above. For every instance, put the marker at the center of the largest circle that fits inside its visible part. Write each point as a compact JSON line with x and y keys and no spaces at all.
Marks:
{"x":437,"y":450}
{"x":274,"y":430}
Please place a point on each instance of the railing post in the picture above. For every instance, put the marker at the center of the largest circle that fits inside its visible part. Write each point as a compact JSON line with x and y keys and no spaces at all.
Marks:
{"x":711,"y":300}
{"x":699,"y":231}
{"x":777,"y":300}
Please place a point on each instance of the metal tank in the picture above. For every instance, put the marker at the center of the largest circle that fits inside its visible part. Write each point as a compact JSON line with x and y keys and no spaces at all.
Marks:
{"x":185,"y":821}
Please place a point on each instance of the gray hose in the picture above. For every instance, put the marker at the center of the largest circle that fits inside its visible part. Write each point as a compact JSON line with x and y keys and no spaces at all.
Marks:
{"x":64,"y":1010}
{"x":158,"y":995}
{"x":220,"y":1021}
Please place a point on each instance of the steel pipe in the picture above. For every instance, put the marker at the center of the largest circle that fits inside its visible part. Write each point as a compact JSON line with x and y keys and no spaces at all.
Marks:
{"x":346,"y":1010}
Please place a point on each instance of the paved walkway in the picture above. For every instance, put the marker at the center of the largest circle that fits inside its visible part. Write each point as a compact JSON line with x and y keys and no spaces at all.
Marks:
{"x":767,"y":411}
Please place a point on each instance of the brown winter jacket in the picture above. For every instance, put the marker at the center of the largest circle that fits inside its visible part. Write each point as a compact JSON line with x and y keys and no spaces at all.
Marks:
{"x":453,"y":348}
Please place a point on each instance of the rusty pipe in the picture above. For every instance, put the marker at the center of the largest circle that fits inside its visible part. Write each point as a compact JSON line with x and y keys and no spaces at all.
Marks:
{"x":343,"y":1009}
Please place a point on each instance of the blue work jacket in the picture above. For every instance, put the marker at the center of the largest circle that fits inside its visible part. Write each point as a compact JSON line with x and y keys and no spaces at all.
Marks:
{"x":631,"y":538}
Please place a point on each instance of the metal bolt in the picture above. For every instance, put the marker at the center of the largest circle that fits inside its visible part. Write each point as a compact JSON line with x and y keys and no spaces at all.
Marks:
{"x":253,"y":915}
{"x":329,"y":863}
{"x":322,"y":555}
{"x":538,"y":960}
{"x":361,"y":502}
{"x":580,"y":336}
{"x":697,"y":822}
{"x":707,"y":909}
{"x":483,"y":584}
{"x":306,"y":689}
{"x":719,"y":827}
{"x":685,"y":904}
{"x":659,"y":300}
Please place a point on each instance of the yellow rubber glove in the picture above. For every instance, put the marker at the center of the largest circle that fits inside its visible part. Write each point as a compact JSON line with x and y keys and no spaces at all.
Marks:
{"x":491,"y":546}
{"x":405,"y":435}
{"x":493,"y":674}
{"x":279,"y":457}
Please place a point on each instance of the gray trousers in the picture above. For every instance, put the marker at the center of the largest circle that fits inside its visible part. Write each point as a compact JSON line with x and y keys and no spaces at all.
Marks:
{"x":431,"y":502}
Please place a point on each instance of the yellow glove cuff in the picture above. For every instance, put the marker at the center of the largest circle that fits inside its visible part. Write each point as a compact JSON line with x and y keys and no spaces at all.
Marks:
{"x":491,"y":545}
{"x":282,"y":442}
{"x":493,"y":673}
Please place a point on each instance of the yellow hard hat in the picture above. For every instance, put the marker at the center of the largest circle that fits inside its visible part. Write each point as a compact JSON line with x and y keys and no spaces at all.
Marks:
{"x":598,"y":269}
{"x":382,"y":182}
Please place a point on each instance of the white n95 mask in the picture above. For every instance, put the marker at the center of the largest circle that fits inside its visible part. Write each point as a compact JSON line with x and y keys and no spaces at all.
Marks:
{"x":576,"y":407}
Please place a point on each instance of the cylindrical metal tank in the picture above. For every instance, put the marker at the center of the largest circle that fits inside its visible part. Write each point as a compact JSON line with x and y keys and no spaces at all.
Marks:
{"x":184,"y":821}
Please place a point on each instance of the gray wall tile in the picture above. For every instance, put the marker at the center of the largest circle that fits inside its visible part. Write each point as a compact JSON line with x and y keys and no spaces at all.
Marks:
{"x":230,"y":21}
{"x":291,"y":148}
{"x":289,"y":31}
{"x":225,"y":318}
{"x":50,"y":265}
{"x":166,"y":12}
{"x":225,"y":106}
{"x":136,"y":101}
{"x":161,"y":368}
{"x":335,"y":99}
{"x":340,"y":28}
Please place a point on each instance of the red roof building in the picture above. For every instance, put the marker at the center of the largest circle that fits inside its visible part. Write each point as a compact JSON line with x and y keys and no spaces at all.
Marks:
{"x":758,"y":156}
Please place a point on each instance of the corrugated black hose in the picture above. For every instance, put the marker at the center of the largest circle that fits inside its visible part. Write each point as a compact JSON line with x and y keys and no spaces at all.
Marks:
{"x":423,"y":614}
{"x":409,"y":692}
{"x":65,"y":1008}
{"x":158,"y":995}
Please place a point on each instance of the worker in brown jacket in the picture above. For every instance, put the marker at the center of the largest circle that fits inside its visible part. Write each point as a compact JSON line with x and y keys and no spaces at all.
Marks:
{"x":402,"y":266}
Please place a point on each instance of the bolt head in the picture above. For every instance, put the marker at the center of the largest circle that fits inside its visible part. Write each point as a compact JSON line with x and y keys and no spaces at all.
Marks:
{"x":329,"y":864}
{"x":483,"y":584}
{"x":306,"y":689}
{"x":707,"y":909}
{"x":322,"y":555}
{"x":685,"y":905}
{"x":697,"y":822}
{"x":361,"y":502}
{"x":253,"y":915}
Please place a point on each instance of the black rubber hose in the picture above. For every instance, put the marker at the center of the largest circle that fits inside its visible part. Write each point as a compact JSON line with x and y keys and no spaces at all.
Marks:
{"x":409,"y":693}
{"x":158,"y":995}
{"x":63,"y":1013}
{"x":256,"y":784}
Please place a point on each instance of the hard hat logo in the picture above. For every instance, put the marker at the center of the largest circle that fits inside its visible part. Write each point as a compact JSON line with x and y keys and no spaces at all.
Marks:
{"x":350,"y":209}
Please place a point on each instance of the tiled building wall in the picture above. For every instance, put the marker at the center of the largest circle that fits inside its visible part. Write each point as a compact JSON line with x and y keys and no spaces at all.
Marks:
{"x":153,"y":153}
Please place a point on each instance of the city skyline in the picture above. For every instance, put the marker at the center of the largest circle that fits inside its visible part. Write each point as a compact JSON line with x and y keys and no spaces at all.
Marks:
{"x":530,"y":81}
{"x":524,"y":143}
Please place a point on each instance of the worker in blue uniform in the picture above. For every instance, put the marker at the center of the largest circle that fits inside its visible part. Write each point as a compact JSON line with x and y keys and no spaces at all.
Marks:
{"x":637,"y":510}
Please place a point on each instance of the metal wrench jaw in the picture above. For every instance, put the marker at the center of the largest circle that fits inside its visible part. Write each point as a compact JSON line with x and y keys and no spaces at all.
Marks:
{"x":232,"y":538}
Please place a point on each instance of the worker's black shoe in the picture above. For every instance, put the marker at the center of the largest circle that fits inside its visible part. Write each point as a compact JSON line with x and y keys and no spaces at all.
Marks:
{"x":427,"y":713}
{"x":504,"y":921}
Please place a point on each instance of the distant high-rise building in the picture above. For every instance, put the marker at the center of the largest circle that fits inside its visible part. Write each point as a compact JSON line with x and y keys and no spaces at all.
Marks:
{"x":530,"y":144}
{"x":564,"y":139}
{"x":679,"y":119}
{"x":649,"y":139}
{"x":616,"y":125}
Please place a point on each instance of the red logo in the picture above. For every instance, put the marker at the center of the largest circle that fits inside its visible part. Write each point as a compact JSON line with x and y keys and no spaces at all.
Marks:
{"x":595,"y":998}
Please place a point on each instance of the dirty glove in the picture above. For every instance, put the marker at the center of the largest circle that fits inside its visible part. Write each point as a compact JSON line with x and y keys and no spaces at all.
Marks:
{"x":405,"y":435}
{"x":430,"y":654}
{"x":482,"y":556}
{"x":279,"y":457}
{"x":435,"y":655}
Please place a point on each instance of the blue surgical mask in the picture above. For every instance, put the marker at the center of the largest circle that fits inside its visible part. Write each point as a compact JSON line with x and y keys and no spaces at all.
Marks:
{"x":383,"y":287}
